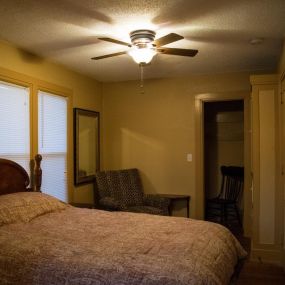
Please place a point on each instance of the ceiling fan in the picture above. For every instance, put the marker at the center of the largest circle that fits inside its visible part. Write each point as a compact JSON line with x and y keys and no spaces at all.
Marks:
{"x":144,"y":46}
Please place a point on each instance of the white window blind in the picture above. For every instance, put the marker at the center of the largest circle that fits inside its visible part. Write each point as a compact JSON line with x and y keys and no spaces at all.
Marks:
{"x":52,"y":144}
{"x":15,"y":124}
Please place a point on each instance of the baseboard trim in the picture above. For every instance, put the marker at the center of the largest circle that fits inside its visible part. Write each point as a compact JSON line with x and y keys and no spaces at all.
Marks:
{"x":274,"y":256}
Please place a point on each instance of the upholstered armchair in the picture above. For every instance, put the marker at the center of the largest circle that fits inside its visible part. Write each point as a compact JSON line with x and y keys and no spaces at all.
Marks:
{"x":122,"y":190}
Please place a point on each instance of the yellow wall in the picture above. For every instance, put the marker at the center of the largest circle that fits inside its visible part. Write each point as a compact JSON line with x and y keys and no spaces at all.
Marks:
{"x":86,"y":91}
{"x":154,"y":131}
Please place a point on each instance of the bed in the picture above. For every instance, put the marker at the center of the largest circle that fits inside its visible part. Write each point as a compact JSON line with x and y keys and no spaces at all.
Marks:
{"x":45,"y":241}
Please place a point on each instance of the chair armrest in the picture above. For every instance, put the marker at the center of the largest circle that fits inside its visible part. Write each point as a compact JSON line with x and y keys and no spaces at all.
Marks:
{"x":111,"y":204}
{"x":156,"y":201}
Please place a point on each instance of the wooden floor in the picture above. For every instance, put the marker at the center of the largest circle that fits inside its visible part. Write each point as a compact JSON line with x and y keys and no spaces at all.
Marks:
{"x":262,"y":274}
{"x":256,"y":273}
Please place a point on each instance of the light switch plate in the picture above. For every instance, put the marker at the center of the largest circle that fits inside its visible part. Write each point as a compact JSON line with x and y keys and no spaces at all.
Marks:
{"x":189,"y":157}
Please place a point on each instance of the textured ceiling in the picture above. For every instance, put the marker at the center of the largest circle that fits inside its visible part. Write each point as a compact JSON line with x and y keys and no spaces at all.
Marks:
{"x":66,"y":31}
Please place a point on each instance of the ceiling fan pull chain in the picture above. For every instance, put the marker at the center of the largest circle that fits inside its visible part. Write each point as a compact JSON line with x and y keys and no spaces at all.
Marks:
{"x":141,"y":85}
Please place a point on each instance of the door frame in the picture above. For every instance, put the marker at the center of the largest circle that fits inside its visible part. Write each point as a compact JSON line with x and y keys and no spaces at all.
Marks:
{"x":200,"y":100}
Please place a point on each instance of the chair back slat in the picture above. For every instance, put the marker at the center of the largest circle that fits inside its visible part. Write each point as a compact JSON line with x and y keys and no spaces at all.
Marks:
{"x":232,"y":182}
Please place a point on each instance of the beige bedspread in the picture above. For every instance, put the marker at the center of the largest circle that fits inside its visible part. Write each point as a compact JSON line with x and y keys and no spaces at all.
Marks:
{"x":83,"y":246}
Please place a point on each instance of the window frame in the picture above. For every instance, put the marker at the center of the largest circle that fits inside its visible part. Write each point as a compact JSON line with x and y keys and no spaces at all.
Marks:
{"x":36,"y":85}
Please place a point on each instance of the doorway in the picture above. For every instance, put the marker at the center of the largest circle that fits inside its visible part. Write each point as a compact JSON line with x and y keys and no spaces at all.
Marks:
{"x":223,"y":146}
{"x":200,"y":102}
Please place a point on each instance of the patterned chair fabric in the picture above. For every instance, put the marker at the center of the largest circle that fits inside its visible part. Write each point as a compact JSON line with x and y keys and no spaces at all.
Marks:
{"x":122,"y":190}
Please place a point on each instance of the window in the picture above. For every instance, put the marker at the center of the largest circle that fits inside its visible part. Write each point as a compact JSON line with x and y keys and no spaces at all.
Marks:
{"x":33,"y":121}
{"x":52,"y":143}
{"x":15,"y":123}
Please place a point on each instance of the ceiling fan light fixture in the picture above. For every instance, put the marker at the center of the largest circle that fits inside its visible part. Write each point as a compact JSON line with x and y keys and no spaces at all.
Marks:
{"x":144,"y":46}
{"x":139,"y":37}
{"x":142,"y":55}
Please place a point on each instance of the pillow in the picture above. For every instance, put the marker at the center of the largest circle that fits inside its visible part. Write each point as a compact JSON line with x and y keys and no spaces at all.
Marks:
{"x":25,"y":206}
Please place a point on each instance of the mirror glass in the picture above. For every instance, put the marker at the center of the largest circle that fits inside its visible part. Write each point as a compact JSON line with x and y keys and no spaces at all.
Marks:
{"x":86,"y":145}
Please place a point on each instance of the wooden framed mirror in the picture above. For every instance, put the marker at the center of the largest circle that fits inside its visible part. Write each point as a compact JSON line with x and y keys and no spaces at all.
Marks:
{"x":86,"y":145}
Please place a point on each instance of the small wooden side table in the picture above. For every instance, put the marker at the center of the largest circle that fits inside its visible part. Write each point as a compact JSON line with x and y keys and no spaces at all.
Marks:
{"x":176,"y":197}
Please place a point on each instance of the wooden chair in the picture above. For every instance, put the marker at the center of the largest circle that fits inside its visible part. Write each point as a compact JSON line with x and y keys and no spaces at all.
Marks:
{"x":225,"y":205}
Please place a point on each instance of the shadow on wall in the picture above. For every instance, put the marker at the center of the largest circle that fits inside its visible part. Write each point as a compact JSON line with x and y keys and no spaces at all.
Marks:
{"x":152,"y":158}
{"x":144,"y":153}
{"x":29,"y":56}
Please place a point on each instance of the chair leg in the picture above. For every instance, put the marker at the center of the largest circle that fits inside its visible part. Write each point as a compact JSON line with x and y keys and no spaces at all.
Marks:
{"x":206,"y":211}
{"x":238,"y":216}
{"x":223,"y":214}
{"x":226,"y":214}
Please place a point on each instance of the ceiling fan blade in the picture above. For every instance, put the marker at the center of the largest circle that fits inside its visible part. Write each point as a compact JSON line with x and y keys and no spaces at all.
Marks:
{"x":178,"y":51}
{"x":115,"y":41}
{"x":170,"y":38}
{"x":109,"y":55}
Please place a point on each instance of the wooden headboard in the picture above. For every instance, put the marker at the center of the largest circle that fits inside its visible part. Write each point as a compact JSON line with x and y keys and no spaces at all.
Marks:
{"x":14,"y":178}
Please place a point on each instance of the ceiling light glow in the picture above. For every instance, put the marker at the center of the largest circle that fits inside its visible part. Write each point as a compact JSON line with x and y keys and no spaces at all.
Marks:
{"x":142,"y":54}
